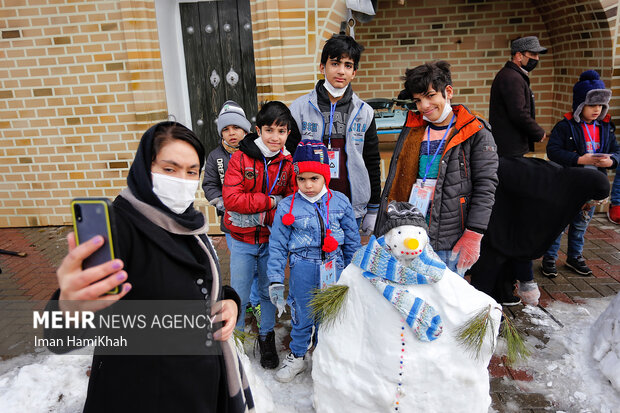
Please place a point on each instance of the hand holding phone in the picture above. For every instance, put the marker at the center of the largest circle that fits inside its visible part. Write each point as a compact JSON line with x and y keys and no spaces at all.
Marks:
{"x":94,"y":217}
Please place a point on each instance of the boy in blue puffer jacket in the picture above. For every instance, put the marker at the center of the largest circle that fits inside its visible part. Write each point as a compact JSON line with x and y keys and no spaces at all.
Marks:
{"x":315,"y":229}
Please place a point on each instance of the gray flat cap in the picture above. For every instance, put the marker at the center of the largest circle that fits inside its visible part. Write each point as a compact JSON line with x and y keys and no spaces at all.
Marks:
{"x":527,"y":44}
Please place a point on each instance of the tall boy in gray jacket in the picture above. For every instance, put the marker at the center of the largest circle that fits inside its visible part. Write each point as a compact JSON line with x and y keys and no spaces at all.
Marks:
{"x":333,"y":114}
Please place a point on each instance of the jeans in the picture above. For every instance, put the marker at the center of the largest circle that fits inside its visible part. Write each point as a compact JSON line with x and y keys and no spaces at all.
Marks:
{"x":615,"y":189}
{"x":245,"y":259}
{"x":576,"y":232}
{"x":445,"y":256}
{"x":305,"y":277}
{"x":254,"y":298}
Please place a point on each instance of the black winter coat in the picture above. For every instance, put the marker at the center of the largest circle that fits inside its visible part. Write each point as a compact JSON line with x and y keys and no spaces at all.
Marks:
{"x":512,"y":113}
{"x":160,"y":266}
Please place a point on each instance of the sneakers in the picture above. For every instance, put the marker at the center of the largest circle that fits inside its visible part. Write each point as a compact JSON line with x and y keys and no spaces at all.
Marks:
{"x":268,"y":354}
{"x":578,"y":264}
{"x":613,"y":214}
{"x":291,"y":367}
{"x":548,"y":267}
{"x":256,"y":313}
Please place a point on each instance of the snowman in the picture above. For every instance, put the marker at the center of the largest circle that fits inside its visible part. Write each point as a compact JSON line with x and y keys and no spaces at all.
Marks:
{"x":394,"y":346}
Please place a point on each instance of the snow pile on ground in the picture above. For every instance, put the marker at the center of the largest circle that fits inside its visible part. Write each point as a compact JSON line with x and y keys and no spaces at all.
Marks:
{"x":270,"y":395}
{"x":370,"y":360}
{"x":606,"y":346}
{"x":563,"y":368}
{"x":44,"y":383}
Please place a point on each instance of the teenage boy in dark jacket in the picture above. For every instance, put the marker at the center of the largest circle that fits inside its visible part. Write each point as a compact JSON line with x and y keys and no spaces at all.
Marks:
{"x":333,"y":114}
{"x":445,"y":163}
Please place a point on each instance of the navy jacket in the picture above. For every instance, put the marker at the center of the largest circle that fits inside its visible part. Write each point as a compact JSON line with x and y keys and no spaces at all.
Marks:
{"x":567,"y":142}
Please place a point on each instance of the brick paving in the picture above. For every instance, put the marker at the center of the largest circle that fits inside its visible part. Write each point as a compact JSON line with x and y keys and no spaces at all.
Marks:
{"x":33,"y":278}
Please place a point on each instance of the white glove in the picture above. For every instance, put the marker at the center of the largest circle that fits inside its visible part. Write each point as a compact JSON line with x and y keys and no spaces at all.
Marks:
{"x":276,"y":295}
{"x":368,"y":223}
{"x":218,"y":203}
{"x":247,"y":220}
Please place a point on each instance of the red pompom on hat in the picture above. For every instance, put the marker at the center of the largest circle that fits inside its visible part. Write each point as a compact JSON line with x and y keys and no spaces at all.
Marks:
{"x":329,"y":243}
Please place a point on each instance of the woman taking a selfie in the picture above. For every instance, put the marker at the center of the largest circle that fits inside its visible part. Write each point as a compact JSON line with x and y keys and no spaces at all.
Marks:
{"x":164,"y":255}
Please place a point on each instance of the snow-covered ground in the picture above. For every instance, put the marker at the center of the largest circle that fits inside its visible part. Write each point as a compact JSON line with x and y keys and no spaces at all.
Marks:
{"x":563,"y":370}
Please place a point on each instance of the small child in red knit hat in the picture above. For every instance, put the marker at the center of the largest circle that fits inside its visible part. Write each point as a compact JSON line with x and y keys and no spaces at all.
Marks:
{"x":315,"y":229}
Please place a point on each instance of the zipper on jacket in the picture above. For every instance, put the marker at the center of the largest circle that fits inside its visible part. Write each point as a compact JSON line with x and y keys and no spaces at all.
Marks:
{"x":322,"y":224}
{"x":461,"y":203}
{"x":321,"y":115}
{"x":464,"y":163}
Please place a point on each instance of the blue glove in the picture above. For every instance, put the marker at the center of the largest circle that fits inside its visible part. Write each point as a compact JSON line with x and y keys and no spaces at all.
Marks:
{"x":247,"y":220}
{"x":276,"y":295}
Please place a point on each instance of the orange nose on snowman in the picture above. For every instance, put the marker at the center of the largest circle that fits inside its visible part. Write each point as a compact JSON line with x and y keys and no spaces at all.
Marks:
{"x":412,"y":246}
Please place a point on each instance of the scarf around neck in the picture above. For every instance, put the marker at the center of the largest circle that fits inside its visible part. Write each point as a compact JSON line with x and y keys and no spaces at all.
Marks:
{"x":239,"y":393}
{"x":392,"y":279}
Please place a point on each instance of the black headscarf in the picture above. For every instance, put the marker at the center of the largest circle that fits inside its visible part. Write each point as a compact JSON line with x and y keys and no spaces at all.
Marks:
{"x":141,"y":184}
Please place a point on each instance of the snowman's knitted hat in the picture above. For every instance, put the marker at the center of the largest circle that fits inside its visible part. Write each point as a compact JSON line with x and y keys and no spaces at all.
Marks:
{"x":590,"y":90}
{"x":401,"y":213}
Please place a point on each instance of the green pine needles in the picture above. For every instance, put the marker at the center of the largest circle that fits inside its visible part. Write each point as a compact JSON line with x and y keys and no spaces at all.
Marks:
{"x":243,"y":336}
{"x":471,"y":335}
{"x":515,"y":345}
{"x":326,"y":304}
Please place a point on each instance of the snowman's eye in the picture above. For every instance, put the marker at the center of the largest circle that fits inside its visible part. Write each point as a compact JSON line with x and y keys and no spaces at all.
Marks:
{"x":399,"y":232}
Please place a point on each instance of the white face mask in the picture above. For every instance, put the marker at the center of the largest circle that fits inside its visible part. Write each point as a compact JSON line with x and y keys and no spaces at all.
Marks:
{"x":447,"y":110}
{"x":175,"y":193}
{"x":264,"y":149}
{"x":315,"y":198}
{"x":335,"y":92}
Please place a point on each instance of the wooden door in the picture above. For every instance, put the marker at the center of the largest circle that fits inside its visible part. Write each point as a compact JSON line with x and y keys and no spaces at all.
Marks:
{"x":219,"y":60}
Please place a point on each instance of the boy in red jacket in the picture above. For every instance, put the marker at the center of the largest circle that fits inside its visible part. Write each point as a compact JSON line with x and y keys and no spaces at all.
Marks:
{"x":259,"y":175}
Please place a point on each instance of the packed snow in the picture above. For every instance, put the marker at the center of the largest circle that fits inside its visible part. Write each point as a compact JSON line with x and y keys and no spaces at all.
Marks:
{"x":563,"y":369}
{"x":606,"y":346}
{"x":378,"y":373}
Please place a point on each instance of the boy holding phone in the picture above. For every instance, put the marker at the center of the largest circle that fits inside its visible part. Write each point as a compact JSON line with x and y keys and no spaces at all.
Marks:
{"x":584,"y":137}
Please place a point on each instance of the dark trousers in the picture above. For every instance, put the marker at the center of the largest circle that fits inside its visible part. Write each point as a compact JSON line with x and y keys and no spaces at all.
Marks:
{"x":495,"y":274}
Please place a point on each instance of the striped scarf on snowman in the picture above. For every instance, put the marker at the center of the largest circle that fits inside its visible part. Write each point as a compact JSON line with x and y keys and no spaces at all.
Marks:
{"x":392,"y":279}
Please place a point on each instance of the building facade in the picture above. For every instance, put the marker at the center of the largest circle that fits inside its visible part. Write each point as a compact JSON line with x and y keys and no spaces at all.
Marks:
{"x":80,"y":81}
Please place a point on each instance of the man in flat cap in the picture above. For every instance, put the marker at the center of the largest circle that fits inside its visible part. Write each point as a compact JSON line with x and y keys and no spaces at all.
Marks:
{"x":514,"y":128}
{"x":511,"y":108}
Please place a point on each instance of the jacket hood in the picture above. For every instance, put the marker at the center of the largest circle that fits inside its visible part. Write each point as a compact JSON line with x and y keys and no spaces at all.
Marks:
{"x":465,"y":126}
{"x":570,"y":116}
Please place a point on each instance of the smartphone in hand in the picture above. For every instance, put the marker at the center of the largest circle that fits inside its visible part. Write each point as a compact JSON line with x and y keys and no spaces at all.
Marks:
{"x":91,"y":217}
